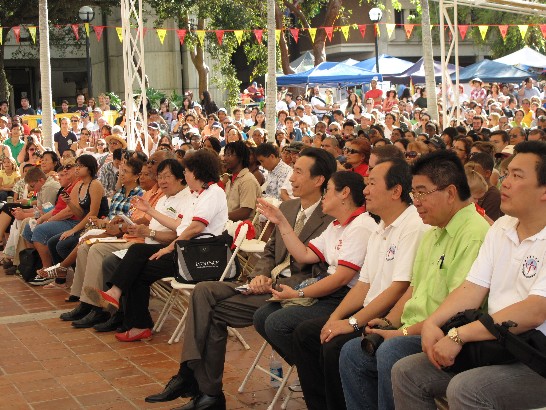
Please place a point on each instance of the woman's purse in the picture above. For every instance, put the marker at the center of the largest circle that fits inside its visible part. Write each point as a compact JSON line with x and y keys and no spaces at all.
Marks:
{"x":528,"y":347}
{"x":204,"y":258}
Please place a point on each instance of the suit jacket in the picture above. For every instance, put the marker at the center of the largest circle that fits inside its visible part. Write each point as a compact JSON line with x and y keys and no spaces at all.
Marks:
{"x":275,"y":250}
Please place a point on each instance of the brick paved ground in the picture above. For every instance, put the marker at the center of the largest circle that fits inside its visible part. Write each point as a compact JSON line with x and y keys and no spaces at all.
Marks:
{"x":47,"y":364}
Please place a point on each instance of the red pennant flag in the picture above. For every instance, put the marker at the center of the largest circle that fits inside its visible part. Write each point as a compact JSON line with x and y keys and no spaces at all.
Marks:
{"x":295,"y":33}
{"x":503,"y":30}
{"x":17,"y":32}
{"x":329,"y":32}
{"x":220,"y":36}
{"x":181,"y":35}
{"x":259,"y":34}
{"x":76,"y":30}
{"x":98,"y":31}
{"x":408,"y":28}
{"x":463,"y":28}
{"x":543,"y":29}
{"x":362,"y":29}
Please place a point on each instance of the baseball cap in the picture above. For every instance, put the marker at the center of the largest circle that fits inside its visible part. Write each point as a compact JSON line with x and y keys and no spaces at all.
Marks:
{"x":216,"y":124}
{"x":506,"y":152}
{"x":4,"y":118}
{"x":437,"y":142}
{"x":222,"y":110}
{"x":295,"y":147}
{"x":153,"y":125}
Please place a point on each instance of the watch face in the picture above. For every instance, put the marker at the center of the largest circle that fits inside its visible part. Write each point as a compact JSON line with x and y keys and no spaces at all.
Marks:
{"x":352,"y":321}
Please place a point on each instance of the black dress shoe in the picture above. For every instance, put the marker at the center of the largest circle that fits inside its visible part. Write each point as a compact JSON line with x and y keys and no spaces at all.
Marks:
{"x":93,"y":318}
{"x":205,"y":402}
{"x":111,"y":324}
{"x":81,"y":311}
{"x":177,"y":387}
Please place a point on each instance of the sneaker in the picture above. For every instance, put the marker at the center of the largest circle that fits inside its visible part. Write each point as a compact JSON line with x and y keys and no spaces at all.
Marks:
{"x":39,"y":281}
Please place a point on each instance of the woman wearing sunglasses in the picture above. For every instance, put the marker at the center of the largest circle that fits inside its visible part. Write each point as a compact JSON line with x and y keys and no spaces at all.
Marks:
{"x":357,"y":153}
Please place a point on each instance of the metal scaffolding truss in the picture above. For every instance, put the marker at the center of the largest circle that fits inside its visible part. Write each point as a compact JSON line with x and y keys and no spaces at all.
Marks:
{"x":525,"y":7}
{"x":134,"y":72}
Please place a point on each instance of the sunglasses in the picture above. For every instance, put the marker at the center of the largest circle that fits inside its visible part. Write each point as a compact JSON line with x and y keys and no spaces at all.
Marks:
{"x":351,"y":151}
{"x":74,"y":121}
{"x":412,"y":154}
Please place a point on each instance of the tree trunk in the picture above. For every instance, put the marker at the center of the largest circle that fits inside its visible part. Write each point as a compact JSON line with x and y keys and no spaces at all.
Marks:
{"x":45,"y":74}
{"x":283,"y":45}
{"x":197,"y":56}
{"x":4,"y":85}
{"x":271,"y":89}
{"x":428,"y":57}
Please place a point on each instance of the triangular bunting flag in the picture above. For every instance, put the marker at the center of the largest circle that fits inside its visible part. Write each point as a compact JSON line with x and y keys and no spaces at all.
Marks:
{"x":220,"y":36}
{"x":98,"y":31}
{"x":201,"y":36}
{"x":523,"y":30}
{"x":1,"y":35}
{"x":295,"y":33}
{"x":86,"y":25}
{"x":161,"y":33}
{"x":329,"y":32}
{"x":463,"y":28}
{"x":259,"y":34}
{"x":390,"y":29}
{"x":144,"y":31}
{"x":119,"y":30}
{"x":345,"y":32}
{"x":17,"y":32}
{"x":542,"y":28}
{"x":181,"y":35}
{"x":312,"y":33}
{"x":408,"y":28}
{"x":483,"y":31}
{"x":238,"y":35}
{"x":503,"y":31}
{"x":76,"y":30}
{"x":278,"y":35}
{"x":362,"y":29}
{"x":431,"y":27}
{"x":32,"y":31}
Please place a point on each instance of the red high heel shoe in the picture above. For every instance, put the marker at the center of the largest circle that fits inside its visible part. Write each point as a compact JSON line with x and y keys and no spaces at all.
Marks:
{"x":146,"y":335}
{"x":102,"y":299}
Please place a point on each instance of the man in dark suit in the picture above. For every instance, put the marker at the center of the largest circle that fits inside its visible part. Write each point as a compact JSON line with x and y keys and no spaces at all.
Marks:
{"x":216,"y":305}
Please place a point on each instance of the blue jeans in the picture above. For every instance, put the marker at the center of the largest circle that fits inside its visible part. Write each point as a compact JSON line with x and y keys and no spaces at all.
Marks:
{"x":61,"y":249}
{"x":44,"y":232}
{"x":366,"y":379}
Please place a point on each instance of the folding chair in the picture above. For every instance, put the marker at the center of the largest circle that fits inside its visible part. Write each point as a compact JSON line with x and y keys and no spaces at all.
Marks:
{"x":283,"y":380}
{"x":182,"y":291}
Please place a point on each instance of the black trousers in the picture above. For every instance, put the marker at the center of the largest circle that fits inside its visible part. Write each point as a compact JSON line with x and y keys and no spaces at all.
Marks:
{"x":318,"y":365}
{"x":135,"y":275}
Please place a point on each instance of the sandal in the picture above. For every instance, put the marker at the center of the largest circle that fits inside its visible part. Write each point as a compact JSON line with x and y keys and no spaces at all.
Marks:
{"x":54,"y":285}
{"x":55,"y":271}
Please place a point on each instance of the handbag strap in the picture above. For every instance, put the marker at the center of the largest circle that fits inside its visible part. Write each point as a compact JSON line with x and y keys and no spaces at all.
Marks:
{"x":487,"y":321}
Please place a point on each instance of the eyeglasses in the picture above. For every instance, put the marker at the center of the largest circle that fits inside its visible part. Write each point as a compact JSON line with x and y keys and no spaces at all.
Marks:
{"x":412,"y":154}
{"x":418,"y":196}
{"x":164,"y":177}
{"x":351,"y":151}
{"x":100,"y":144}
{"x":152,"y":162}
{"x":185,"y":129}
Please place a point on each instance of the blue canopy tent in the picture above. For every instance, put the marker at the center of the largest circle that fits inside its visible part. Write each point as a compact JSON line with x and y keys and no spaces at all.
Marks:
{"x":417,"y":73}
{"x":388,"y":65}
{"x":329,"y":74}
{"x":491,"y":71}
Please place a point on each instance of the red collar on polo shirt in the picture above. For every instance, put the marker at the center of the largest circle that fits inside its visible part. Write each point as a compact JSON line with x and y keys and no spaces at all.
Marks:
{"x":234,"y":177}
{"x":205,"y":186}
{"x":358,"y":211}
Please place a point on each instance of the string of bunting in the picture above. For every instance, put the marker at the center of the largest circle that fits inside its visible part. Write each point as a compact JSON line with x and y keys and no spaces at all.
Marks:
{"x":259,"y":34}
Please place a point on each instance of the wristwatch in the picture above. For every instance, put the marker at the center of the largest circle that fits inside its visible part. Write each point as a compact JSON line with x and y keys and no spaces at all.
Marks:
{"x":301,"y":294}
{"x":152,"y":234}
{"x":453,"y":334}
{"x":354,"y":323}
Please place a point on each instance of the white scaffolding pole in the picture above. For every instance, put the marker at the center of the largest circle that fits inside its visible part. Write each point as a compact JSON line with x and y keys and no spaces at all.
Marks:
{"x":134,"y":71}
{"x":445,"y":56}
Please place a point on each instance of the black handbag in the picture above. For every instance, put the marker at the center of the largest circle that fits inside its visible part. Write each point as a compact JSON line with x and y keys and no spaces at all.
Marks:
{"x":29,"y":263}
{"x":528,"y":347}
{"x":204,"y":258}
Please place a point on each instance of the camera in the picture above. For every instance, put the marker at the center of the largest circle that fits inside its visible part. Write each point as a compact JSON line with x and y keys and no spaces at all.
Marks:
{"x":30,"y":139}
{"x":371,"y":342}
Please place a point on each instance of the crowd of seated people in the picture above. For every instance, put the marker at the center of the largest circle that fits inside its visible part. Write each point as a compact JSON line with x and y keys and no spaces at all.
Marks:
{"x":386,"y":223}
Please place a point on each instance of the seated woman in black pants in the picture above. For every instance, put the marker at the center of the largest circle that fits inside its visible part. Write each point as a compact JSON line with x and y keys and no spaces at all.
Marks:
{"x":144,"y":264}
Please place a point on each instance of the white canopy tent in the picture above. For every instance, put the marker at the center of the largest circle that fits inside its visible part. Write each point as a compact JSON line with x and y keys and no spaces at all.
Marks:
{"x":525,"y":57}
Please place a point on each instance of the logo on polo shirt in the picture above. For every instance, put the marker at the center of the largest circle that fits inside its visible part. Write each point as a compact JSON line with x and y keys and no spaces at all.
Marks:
{"x":390,"y":253}
{"x":339,"y":244}
{"x":530,"y":266}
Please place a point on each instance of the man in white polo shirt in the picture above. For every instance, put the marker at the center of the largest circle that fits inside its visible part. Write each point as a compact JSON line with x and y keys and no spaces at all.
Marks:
{"x":384,"y":278}
{"x":510,"y":269}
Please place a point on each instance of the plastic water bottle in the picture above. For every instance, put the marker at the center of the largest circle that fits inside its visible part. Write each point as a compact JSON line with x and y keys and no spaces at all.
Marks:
{"x":275,"y":367}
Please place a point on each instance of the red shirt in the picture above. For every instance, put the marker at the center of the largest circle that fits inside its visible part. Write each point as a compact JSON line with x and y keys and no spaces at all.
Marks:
{"x":362,"y":169}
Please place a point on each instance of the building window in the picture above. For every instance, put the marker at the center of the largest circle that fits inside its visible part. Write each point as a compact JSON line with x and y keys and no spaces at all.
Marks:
{"x":399,"y":17}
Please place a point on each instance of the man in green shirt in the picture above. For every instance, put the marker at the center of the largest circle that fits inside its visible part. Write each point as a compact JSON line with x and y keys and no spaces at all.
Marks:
{"x":444,"y":257}
{"x":14,"y":142}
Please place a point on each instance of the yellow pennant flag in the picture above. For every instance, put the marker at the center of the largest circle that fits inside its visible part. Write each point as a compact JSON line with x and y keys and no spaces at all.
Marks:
{"x":161,"y":33}
{"x":119,"y":30}
{"x":483,"y":31}
{"x":1,"y":31}
{"x":277,"y":36}
{"x":312,"y":33}
{"x":523,"y":30}
{"x":32,"y":31}
{"x":390,"y":29}
{"x":431,"y":27}
{"x":377,"y":31}
{"x":238,"y":35}
{"x":345,"y":32}
{"x":86,"y":25}
{"x":201,"y":36}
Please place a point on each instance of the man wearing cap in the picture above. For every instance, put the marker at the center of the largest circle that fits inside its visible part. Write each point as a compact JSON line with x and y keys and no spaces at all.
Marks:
{"x":216,"y":130}
{"x":375,"y":93}
{"x":435,"y":143}
{"x":154,"y":132}
{"x":222,"y":114}
{"x":478,"y":93}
